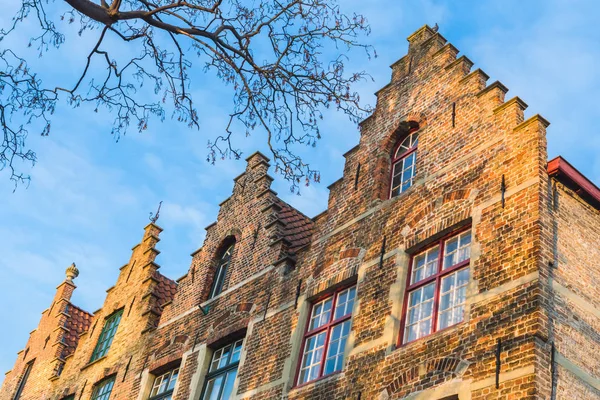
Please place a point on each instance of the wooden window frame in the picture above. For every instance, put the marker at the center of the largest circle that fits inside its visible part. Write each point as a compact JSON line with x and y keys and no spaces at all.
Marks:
{"x":397,"y":160}
{"x":437,"y":278}
{"x":100,"y":384}
{"x":223,"y":370}
{"x":23,"y":380}
{"x":98,"y":353}
{"x":168,"y":392}
{"x":216,"y":287}
{"x":326,"y":327}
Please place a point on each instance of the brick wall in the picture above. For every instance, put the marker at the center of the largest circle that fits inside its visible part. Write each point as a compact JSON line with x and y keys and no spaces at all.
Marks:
{"x":531,"y":310}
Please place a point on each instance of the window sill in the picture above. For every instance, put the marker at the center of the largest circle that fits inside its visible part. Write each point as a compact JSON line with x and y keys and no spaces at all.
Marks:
{"x":423,"y":340}
{"x":408,"y":190}
{"x":162,"y":395}
{"x":93,"y":362}
{"x":320,"y":381}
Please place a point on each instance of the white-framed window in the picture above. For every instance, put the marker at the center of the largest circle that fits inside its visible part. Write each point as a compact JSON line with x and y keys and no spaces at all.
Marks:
{"x":404,"y":164}
{"x":164,"y":385}
{"x":437,"y":288}
{"x":326,"y":335}
{"x":222,"y":372}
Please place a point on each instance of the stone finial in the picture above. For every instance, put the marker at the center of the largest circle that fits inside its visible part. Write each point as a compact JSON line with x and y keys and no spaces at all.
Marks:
{"x":72,"y":272}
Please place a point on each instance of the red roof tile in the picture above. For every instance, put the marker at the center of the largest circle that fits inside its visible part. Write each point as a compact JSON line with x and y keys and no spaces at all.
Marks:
{"x":78,"y":322}
{"x":298,"y":227}
{"x":165,"y":290}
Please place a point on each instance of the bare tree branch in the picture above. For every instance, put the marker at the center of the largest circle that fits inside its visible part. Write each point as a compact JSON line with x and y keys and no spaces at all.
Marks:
{"x":271,"y":53}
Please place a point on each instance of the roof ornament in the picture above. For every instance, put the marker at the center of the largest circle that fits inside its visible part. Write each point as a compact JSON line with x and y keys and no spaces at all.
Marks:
{"x":154,"y":217}
{"x":72,"y":272}
{"x":435,"y":27}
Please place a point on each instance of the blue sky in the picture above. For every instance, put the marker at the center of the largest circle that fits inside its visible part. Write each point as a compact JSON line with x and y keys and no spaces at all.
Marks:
{"x":90,"y":196}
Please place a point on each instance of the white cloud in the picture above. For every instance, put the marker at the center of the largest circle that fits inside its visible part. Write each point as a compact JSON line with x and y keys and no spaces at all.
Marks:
{"x":90,"y":197}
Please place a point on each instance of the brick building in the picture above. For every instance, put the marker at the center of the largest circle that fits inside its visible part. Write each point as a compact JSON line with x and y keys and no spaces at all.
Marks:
{"x":454,"y":261}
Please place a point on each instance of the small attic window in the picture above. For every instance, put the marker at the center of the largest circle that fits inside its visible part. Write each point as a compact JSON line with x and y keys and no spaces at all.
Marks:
{"x":107,"y":335}
{"x":404,"y":162}
{"x":221,"y":271}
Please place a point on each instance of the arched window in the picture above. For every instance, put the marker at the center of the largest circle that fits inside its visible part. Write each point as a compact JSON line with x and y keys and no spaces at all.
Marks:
{"x":404,"y":163}
{"x":219,"y":277}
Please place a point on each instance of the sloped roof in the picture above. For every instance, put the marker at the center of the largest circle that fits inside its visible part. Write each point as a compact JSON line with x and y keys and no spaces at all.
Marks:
{"x":562,"y":170}
{"x":298,"y":227}
{"x":165,"y":290}
{"x":78,"y":322}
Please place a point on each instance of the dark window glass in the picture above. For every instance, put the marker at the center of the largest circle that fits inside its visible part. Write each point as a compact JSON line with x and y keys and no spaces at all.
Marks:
{"x":23,"y":381}
{"x":106,"y":336}
{"x":163,"y":386}
{"x":103,"y":388}
{"x":222,"y":372}
{"x":219,"y":277}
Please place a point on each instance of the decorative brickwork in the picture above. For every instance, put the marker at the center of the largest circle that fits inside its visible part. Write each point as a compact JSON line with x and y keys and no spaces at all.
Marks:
{"x":531,"y":322}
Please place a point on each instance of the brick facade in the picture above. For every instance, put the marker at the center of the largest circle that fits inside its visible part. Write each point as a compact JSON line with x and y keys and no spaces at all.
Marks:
{"x":531,"y":323}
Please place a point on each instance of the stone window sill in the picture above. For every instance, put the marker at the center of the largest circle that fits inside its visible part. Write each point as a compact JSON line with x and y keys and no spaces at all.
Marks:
{"x":92,"y":363}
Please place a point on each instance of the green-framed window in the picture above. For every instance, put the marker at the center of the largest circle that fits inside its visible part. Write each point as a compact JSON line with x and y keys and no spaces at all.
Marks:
{"x":222,"y":372}
{"x":23,"y":380}
{"x":219,"y":277}
{"x":106,"y":336}
{"x":103,"y":389}
{"x":164,"y":385}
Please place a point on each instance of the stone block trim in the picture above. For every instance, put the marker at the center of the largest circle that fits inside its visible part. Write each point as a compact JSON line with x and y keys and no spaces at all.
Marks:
{"x":529,"y":325}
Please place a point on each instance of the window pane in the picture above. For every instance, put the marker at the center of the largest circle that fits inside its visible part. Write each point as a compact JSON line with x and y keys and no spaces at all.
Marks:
{"x":414,"y":139}
{"x":229,"y":380}
{"x":321,"y":313}
{"x":23,"y":380}
{"x":237,"y":350}
{"x":453,"y":296}
{"x":222,"y":371}
{"x":403,"y":171}
{"x":213,"y":388}
{"x":457,"y":249}
{"x":217,"y":356}
{"x":226,"y":355}
{"x":420,"y":312}
{"x":103,"y":389}
{"x":407,"y":175}
{"x":173,"y":379}
{"x":164,"y":382}
{"x":409,"y":142}
{"x":311,"y":359}
{"x":409,"y":161}
{"x":425,"y":264}
{"x":396,"y":178}
{"x":337,"y":343}
{"x":224,"y":360}
{"x":219,"y":279}
{"x":345,"y":302}
{"x":227,"y":254}
{"x":106,"y":335}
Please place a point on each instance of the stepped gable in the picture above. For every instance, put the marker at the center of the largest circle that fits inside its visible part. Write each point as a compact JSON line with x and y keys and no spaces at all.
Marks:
{"x":298,"y":227}
{"x":79,"y":321}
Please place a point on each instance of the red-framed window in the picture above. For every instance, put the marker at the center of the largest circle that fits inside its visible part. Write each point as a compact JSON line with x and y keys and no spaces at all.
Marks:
{"x":437,"y":287}
{"x":325,"y":338}
{"x":404,"y":164}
